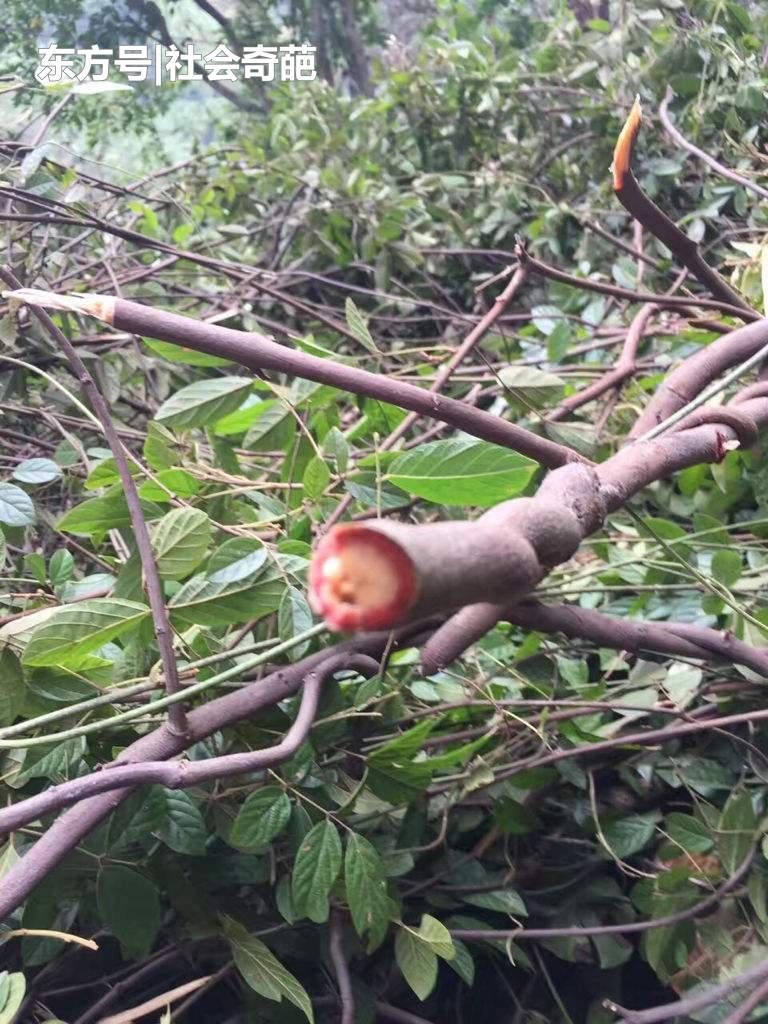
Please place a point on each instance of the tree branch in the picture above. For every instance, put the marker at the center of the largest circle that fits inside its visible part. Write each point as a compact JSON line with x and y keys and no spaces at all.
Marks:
{"x":642,"y":207}
{"x":75,"y":824}
{"x":154,"y":587}
{"x":721,"y":169}
{"x":259,"y":352}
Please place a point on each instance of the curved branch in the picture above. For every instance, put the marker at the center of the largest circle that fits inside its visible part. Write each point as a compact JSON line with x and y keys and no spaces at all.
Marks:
{"x":710,"y":161}
{"x":76,"y":823}
{"x":184,"y":774}
{"x":642,"y":207}
{"x":155,"y":593}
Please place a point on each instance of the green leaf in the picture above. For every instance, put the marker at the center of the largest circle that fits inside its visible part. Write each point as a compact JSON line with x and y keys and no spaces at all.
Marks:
{"x":417,"y":961}
{"x":179,"y":354}
{"x":129,"y":905}
{"x":51,"y":761}
{"x":358,"y":325}
{"x":263,"y":971}
{"x":366,"y":886}
{"x":688,"y":832}
{"x":462,"y":472}
{"x":736,"y":829}
{"x":203,"y":402}
{"x":315,"y":870}
{"x":12,"y":990}
{"x":12,"y":688}
{"x":505,"y":901}
{"x":535,"y":387}
{"x":242,"y":590}
{"x":726,"y":566}
{"x":463,"y":963}
{"x":36,"y":471}
{"x":294,"y":616}
{"x":60,"y":567}
{"x":181,"y":827}
{"x":263,"y":816}
{"x":416,"y":952}
{"x":72,"y":632}
{"x":98,"y":515}
{"x":178,"y":482}
{"x":316,"y":477}
{"x":16,"y":508}
{"x":180,"y":541}
{"x":629,"y":835}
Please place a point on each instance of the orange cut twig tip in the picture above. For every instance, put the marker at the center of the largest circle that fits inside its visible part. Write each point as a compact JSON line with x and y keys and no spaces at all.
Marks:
{"x":622,"y":153}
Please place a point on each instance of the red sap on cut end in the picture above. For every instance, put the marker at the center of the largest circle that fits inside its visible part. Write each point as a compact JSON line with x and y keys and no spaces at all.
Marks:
{"x":360,"y":579}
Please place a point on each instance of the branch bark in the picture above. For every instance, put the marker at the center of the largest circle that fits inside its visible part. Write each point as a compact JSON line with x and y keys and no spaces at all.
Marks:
{"x":642,"y":207}
{"x":155,"y":594}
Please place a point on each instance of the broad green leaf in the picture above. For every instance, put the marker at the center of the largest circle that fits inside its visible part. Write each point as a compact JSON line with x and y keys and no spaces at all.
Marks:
{"x":358,"y":325}
{"x":203,"y":402}
{"x":462,"y":472}
{"x":294,"y":616}
{"x":726,"y":566}
{"x":263,"y":816}
{"x":179,"y":354}
{"x":366,"y":888}
{"x":272,"y":429}
{"x":688,"y":832}
{"x":178,"y":482}
{"x":241,"y":419}
{"x":736,"y":830}
{"x":532,"y":386}
{"x":629,"y":835}
{"x":505,"y":901}
{"x":98,"y":515}
{"x":181,"y":827}
{"x":51,"y":761}
{"x":263,"y":971}
{"x":316,"y":477}
{"x":180,"y":541}
{"x":12,"y":687}
{"x":315,"y":870}
{"x":129,"y":905}
{"x":463,"y":963}
{"x":36,"y":471}
{"x":12,"y":989}
{"x":436,"y":935}
{"x":60,"y":567}
{"x":16,"y":508}
{"x":73,"y":631}
{"x":227,"y":596}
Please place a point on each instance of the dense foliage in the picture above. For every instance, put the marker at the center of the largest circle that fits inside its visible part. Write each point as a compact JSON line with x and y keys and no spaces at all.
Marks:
{"x":371,"y":228}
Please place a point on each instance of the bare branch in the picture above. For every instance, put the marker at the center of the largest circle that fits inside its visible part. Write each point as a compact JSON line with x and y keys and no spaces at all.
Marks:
{"x":677,"y":136}
{"x":155,"y":595}
{"x":642,"y":207}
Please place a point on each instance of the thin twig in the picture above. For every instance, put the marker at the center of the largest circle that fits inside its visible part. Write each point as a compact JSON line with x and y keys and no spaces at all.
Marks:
{"x":155,"y":594}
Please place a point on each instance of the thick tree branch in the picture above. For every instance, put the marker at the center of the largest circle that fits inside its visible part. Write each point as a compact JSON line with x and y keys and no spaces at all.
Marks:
{"x":259,"y":352}
{"x":690,"y":378}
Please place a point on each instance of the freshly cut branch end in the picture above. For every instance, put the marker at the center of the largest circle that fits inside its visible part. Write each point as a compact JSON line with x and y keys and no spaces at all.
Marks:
{"x":100,"y":306}
{"x":622,"y":154}
{"x":360,"y":579}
